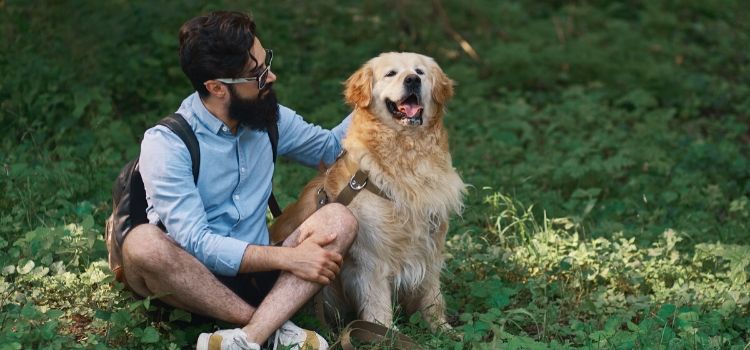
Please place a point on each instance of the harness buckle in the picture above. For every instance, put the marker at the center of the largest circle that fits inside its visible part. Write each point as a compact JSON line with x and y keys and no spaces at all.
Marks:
{"x":321,"y":198}
{"x":353,"y":184}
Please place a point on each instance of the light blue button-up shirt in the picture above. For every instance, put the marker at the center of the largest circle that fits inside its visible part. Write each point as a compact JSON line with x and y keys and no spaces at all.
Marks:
{"x":216,"y":220}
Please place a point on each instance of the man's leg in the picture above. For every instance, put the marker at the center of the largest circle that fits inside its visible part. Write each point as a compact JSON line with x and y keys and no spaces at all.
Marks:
{"x":290,"y":292}
{"x":155,"y":265}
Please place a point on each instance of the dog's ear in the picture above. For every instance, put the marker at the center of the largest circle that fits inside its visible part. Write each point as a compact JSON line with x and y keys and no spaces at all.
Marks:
{"x":358,"y":92}
{"x":442,"y":89}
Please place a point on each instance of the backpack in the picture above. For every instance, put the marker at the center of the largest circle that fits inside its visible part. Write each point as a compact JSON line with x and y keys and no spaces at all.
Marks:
{"x":129,"y":196}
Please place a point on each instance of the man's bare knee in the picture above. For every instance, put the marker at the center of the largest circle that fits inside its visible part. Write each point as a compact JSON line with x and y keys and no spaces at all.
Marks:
{"x":332,"y":218}
{"x":147,"y":247}
{"x":341,"y":221}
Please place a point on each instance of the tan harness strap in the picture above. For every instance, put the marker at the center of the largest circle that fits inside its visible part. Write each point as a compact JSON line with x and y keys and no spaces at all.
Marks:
{"x":358,"y":182}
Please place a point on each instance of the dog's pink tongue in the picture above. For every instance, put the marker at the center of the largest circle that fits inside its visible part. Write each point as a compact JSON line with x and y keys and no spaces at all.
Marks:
{"x":409,"y":109}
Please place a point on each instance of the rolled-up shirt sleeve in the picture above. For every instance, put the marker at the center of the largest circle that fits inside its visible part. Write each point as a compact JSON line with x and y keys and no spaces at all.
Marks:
{"x":172,"y":195}
{"x":307,"y":143}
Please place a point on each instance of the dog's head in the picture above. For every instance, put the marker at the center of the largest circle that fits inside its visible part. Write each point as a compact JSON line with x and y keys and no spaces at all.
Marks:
{"x":402,"y":89}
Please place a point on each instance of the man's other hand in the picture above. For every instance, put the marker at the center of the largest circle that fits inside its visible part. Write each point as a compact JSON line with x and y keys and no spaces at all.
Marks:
{"x":312,"y":262}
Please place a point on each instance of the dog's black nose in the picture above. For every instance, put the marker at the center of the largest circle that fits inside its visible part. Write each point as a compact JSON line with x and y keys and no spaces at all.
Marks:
{"x":412,"y":81}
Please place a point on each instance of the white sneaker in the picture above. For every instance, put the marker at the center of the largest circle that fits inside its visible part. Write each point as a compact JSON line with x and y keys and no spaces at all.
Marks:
{"x":289,"y":335}
{"x":228,"y":339}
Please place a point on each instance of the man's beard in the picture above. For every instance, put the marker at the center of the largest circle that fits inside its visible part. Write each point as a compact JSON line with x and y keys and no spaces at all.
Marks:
{"x":258,"y":114}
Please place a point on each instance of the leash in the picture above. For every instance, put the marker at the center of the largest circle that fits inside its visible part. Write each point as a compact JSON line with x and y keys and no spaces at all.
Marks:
{"x":368,"y":332}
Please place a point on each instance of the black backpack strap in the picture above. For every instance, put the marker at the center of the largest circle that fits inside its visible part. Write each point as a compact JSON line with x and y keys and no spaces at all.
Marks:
{"x":180,"y":126}
{"x":273,"y":135}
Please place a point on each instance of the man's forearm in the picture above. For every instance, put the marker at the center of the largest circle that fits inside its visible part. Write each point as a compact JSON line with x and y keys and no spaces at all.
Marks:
{"x":264,"y":258}
{"x":310,"y":260}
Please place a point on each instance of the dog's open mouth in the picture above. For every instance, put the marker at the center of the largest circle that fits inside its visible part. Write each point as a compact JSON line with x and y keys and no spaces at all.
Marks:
{"x":408,"y":111}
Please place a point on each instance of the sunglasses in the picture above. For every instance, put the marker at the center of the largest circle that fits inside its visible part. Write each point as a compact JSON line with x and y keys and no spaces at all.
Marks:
{"x":260,"y":78}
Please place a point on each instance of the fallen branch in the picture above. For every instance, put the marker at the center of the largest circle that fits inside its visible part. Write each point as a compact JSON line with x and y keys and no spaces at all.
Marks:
{"x":438,"y":7}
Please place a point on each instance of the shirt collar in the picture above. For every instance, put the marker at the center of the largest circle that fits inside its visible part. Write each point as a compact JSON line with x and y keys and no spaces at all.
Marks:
{"x":204,"y":116}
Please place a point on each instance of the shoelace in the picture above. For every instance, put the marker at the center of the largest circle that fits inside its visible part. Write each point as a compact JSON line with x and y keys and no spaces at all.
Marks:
{"x":276,"y":339}
{"x":278,"y":332}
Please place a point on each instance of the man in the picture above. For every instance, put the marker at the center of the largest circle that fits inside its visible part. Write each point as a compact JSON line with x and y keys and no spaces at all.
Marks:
{"x":214,"y":257}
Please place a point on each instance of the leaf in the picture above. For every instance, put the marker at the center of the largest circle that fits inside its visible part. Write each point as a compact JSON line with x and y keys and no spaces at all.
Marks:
{"x":669,"y":196}
{"x":481,"y":326}
{"x":11,"y":346}
{"x":9,"y":270}
{"x":599,"y":336}
{"x":666,"y":311}
{"x":84,"y":208}
{"x":415,"y":318}
{"x":4,"y":286}
{"x":466,"y":317}
{"x":612,"y":324}
{"x":122,"y":318}
{"x":40,"y":271}
{"x":54,"y":313}
{"x":566,"y":263}
{"x":57,"y":267}
{"x":49,"y":330}
{"x":469,"y":333}
{"x":81,"y":100}
{"x":29,"y":312}
{"x":88,"y":223}
{"x":499,"y":299}
{"x":150,"y":335}
{"x":179,"y":315}
{"x":103,"y":315}
{"x":26,"y":268}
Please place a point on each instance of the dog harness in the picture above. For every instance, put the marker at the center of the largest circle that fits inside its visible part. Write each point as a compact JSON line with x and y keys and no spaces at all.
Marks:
{"x":357,"y":183}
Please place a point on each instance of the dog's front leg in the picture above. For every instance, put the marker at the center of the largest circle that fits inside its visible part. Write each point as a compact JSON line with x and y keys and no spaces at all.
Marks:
{"x":376,"y":305}
{"x":431,"y":304}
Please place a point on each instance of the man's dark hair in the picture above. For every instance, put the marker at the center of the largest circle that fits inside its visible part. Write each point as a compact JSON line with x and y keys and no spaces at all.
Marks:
{"x":215,"y":46}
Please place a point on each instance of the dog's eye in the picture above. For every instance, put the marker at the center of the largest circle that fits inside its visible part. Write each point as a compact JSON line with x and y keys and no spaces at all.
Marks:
{"x":419,"y":71}
{"x":390,"y":73}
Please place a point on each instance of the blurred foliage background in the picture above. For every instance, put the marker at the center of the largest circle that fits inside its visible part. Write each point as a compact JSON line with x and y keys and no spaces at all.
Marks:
{"x":606,"y":143}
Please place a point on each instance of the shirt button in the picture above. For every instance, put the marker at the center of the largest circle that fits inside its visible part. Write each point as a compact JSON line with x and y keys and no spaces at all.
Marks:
{"x":236,"y":197}
{"x":224,"y":129}
{"x":242,"y":170}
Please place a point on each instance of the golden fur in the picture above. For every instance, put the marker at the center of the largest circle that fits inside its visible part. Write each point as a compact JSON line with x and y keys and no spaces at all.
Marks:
{"x":397,"y":255}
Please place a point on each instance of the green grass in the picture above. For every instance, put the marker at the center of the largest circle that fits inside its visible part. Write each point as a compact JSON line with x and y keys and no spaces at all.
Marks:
{"x":606,"y":143}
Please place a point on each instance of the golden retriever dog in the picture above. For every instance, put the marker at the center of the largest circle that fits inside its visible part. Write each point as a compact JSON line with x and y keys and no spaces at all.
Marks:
{"x":397,"y":138}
